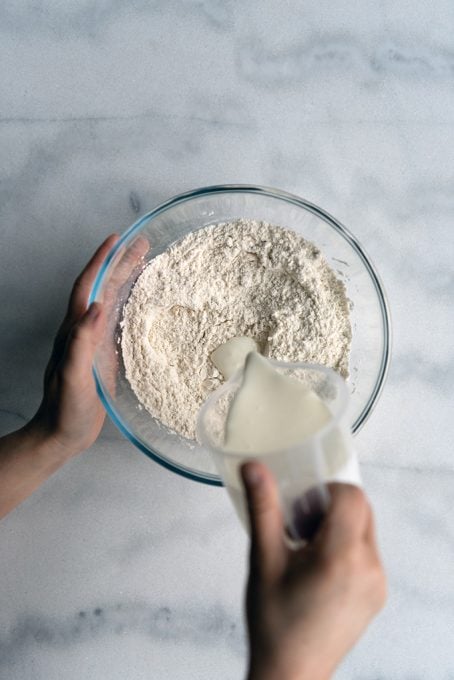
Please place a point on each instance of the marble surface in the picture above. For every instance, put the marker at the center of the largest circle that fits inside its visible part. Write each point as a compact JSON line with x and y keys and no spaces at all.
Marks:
{"x":117,"y":568}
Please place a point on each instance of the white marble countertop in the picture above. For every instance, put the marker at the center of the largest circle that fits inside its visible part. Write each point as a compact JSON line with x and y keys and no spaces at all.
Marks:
{"x":117,"y":568}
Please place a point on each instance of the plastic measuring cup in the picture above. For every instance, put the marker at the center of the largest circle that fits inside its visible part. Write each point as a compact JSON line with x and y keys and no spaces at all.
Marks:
{"x":302,"y":472}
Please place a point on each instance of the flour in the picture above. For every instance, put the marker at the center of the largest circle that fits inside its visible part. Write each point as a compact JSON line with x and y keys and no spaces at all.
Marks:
{"x":241,"y":278}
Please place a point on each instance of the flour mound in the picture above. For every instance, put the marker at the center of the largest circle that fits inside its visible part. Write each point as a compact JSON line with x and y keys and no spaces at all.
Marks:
{"x":231,"y":279}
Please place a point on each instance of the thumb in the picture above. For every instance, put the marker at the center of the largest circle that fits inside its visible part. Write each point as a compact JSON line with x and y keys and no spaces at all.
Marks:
{"x":82,"y":343}
{"x":348,"y":518}
{"x":268,"y":551}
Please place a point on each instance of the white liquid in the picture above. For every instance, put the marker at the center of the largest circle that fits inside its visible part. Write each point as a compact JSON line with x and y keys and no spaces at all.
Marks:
{"x":271,"y":411}
{"x":230,"y":357}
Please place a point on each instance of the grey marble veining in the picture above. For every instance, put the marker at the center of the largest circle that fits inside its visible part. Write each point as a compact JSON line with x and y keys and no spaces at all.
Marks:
{"x":117,"y":568}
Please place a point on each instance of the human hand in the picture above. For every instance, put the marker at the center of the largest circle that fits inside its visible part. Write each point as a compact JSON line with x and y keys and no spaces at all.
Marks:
{"x":71,"y":415}
{"x":306,"y":608}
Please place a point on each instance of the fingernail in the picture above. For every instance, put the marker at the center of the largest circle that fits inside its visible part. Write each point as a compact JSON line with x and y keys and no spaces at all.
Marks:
{"x":252,"y":475}
{"x":93,"y":311}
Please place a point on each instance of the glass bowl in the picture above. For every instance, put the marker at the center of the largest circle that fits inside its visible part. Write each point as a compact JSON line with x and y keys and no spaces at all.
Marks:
{"x":157,"y":230}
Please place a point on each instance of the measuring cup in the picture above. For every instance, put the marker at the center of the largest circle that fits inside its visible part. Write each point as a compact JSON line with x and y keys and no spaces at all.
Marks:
{"x":302,"y":472}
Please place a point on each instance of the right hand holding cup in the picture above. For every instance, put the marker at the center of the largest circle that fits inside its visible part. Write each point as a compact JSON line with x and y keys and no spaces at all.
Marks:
{"x":306,"y":608}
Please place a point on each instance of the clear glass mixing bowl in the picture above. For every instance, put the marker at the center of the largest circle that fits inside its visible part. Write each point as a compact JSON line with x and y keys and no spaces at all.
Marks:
{"x":157,"y":230}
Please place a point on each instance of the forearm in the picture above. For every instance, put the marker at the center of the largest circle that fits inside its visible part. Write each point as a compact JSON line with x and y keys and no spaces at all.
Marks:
{"x":27,"y":459}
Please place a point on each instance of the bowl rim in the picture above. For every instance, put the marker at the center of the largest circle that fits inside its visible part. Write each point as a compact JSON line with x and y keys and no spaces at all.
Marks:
{"x":207,"y":478}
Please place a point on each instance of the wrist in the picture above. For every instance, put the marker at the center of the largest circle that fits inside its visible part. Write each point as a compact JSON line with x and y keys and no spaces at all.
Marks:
{"x":44,"y":443}
{"x":277,"y":674}
{"x":269,"y":669}
{"x":27,"y":458}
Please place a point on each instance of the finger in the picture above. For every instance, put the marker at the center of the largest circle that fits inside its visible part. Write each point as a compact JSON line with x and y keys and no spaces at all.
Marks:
{"x":78,"y":300}
{"x":370,"y":536}
{"x":84,"y":282}
{"x":268,"y":551}
{"x":347,"y":519}
{"x":81,"y":346}
{"x":132,"y":256}
{"x":79,"y":297}
{"x":376,"y":570}
{"x":125,"y":266}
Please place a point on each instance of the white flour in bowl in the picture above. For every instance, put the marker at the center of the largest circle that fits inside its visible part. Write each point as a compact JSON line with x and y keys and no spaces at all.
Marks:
{"x":240,"y":278}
